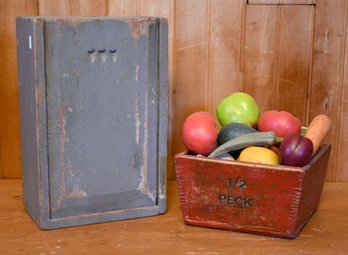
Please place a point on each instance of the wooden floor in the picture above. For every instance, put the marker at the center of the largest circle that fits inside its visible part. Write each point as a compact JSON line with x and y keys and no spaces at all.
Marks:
{"x":326,"y":233}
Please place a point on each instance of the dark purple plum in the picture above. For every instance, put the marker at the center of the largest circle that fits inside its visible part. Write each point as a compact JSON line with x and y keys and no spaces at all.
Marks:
{"x":295,"y":150}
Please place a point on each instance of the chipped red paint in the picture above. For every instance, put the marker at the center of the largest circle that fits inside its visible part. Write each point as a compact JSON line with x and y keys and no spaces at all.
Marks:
{"x":263,"y":199}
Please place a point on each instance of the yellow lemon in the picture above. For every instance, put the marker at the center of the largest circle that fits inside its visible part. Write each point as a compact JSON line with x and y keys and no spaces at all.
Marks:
{"x":262,"y":155}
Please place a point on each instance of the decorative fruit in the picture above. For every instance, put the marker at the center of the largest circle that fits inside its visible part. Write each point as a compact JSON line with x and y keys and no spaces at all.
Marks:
{"x":238,"y":107}
{"x":280,"y":122}
{"x":232,"y":131}
{"x":226,"y":156}
{"x":199,"y":133}
{"x":296,"y":150}
{"x":318,"y":129}
{"x":243,"y":141}
{"x":262,"y":155}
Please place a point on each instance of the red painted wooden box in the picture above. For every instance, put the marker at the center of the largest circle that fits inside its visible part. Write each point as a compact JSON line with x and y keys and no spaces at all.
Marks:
{"x":263,"y":199}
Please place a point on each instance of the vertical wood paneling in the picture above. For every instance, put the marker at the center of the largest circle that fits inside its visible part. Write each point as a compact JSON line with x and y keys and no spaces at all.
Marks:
{"x":10,"y":163}
{"x":260,"y":54}
{"x":288,"y":2}
{"x":88,"y":7}
{"x":190,"y":62}
{"x":278,"y":55}
{"x":295,"y":59}
{"x":54,"y":8}
{"x":159,"y":8}
{"x":73,"y":7}
{"x":123,"y":7}
{"x":327,"y":90}
{"x":216,"y":48}
{"x":342,"y":151}
{"x":225,"y":76}
{"x":207,"y":55}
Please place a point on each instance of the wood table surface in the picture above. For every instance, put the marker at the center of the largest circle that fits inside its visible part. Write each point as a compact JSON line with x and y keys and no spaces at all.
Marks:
{"x":326,"y":233}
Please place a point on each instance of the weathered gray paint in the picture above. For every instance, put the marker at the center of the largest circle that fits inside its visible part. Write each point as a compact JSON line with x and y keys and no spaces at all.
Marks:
{"x":94,"y":114}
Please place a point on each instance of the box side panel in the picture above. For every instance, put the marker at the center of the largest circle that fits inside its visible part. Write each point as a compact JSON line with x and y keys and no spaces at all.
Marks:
{"x":102,"y":109}
{"x":313,"y":184}
{"x":33,"y":117}
{"x":27,"y":108}
{"x":181,"y":173}
{"x":241,"y":197}
{"x":150,"y":178}
{"x":162,"y":67}
{"x":104,"y":217}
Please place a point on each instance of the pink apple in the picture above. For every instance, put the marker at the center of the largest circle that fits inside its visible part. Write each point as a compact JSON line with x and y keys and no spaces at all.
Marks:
{"x":200,"y":133}
{"x":280,"y":122}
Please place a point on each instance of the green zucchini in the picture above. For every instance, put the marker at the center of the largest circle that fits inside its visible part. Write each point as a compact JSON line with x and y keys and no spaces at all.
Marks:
{"x":243,"y":141}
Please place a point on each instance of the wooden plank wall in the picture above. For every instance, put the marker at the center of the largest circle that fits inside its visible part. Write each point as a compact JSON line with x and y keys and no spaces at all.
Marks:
{"x":10,"y":164}
{"x":289,"y":54}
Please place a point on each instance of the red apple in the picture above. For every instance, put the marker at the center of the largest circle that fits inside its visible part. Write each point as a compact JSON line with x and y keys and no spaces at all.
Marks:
{"x":281,"y":123}
{"x":295,"y":150}
{"x":200,"y":133}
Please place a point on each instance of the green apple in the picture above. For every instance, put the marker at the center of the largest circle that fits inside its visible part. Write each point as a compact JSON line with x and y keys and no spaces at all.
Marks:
{"x":239,"y":107}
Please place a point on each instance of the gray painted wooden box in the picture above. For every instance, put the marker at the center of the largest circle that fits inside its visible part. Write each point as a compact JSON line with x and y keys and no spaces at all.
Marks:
{"x":93,"y":115}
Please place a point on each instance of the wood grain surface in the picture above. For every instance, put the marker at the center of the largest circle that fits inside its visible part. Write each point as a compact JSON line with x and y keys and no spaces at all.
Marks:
{"x":10,"y":163}
{"x":299,"y":2}
{"x":278,"y":56}
{"x":289,"y":54}
{"x":326,"y":232}
{"x":236,"y":195}
{"x":329,"y":82}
